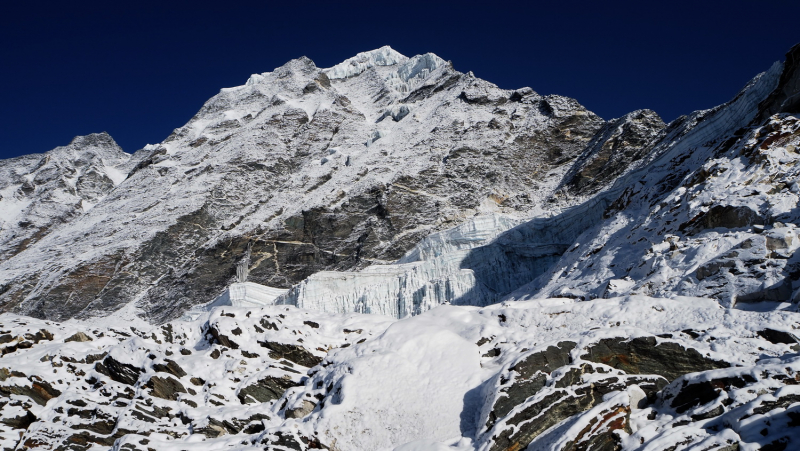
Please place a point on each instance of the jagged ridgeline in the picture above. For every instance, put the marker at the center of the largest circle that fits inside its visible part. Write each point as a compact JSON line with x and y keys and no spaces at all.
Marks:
{"x":612,"y":285}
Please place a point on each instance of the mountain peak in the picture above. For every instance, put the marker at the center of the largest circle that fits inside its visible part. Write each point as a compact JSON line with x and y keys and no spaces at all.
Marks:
{"x":384,"y":56}
{"x":93,"y":139}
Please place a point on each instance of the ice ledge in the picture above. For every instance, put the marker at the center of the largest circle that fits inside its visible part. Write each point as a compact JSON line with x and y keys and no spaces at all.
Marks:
{"x":247,"y":294}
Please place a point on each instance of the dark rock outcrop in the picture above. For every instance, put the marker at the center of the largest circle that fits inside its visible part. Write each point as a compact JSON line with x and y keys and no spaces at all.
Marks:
{"x":724,"y":216}
{"x":292,"y":353}
{"x":79,"y":337}
{"x":121,"y":372}
{"x":645,"y":355}
{"x":170,"y":366}
{"x":39,"y":391}
{"x":165,"y":388}
{"x":558,"y":405}
{"x":613,"y":150}
{"x":265,"y":390}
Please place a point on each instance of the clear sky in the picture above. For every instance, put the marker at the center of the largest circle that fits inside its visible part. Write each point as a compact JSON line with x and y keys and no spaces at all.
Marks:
{"x":139,"y":69}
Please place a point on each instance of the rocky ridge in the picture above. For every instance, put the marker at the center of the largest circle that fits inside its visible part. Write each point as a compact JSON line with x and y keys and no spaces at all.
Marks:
{"x":38,"y":193}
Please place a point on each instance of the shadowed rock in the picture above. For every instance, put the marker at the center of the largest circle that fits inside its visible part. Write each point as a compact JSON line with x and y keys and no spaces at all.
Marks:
{"x":722,"y":216}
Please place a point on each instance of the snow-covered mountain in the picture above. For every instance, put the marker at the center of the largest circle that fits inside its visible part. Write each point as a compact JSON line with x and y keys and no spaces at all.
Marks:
{"x":317,"y":169}
{"x":468,"y":268}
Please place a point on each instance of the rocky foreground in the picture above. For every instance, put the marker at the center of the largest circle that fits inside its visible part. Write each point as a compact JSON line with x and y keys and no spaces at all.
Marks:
{"x":633,"y":373}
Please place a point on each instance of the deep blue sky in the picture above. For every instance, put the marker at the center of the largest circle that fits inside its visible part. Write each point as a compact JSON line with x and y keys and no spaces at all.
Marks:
{"x":140,"y":69}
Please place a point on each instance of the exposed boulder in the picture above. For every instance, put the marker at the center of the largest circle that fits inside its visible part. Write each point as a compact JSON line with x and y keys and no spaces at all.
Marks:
{"x":696,"y":393}
{"x":292,"y":353}
{"x":265,"y":389}
{"x":724,"y":216}
{"x":39,"y":390}
{"x":170,"y":366}
{"x":165,"y":388}
{"x":78,"y":337}
{"x":19,"y":422}
{"x":121,"y":372}
{"x":221,"y":338}
{"x":285,"y":441}
{"x":778,"y":336}
{"x":305,"y":408}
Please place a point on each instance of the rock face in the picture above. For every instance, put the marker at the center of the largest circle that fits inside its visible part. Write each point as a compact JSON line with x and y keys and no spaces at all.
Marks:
{"x":617,"y":148}
{"x":645,"y":355}
{"x":314,"y":169}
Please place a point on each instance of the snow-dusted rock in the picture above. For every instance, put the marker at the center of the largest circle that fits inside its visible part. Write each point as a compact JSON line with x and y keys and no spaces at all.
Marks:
{"x":552,"y":339}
